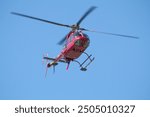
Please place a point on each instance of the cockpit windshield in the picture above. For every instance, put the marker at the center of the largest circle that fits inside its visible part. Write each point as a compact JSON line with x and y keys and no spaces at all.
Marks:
{"x":77,"y":33}
{"x":85,"y":35}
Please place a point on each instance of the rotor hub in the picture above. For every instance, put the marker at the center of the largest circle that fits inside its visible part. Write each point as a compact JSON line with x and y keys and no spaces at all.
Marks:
{"x":75,"y":27}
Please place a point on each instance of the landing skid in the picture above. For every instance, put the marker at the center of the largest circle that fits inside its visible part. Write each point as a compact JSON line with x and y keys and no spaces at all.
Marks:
{"x":82,"y":65}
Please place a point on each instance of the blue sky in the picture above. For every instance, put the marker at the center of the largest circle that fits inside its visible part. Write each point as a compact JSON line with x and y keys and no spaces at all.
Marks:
{"x":121,"y":69}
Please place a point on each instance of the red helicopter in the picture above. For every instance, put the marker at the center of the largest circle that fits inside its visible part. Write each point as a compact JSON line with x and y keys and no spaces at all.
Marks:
{"x":75,"y":41}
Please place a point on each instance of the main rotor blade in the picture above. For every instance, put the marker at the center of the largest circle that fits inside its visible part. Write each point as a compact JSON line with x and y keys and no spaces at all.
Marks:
{"x":43,"y":20}
{"x":108,"y":33}
{"x":61,"y":42}
{"x":86,"y":14}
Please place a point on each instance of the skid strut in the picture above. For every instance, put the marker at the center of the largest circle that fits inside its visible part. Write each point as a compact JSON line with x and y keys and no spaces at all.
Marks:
{"x":82,"y":67}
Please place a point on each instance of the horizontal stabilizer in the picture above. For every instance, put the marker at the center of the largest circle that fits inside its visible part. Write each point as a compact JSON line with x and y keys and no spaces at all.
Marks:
{"x":52,"y":59}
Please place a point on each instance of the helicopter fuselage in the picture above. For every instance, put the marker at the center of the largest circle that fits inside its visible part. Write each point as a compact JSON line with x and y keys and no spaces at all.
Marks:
{"x":76,"y":44}
{"x":76,"y":41}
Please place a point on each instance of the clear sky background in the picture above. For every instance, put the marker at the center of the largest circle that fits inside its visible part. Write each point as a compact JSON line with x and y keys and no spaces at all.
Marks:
{"x":121,"y":69}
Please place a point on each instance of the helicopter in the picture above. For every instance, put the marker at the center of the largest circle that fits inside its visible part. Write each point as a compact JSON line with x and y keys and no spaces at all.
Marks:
{"x":75,"y":42}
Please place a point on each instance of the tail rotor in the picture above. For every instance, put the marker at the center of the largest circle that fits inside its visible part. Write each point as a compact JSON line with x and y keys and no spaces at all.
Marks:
{"x":53,"y":69}
{"x":45,"y":61}
{"x":46,"y":71}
